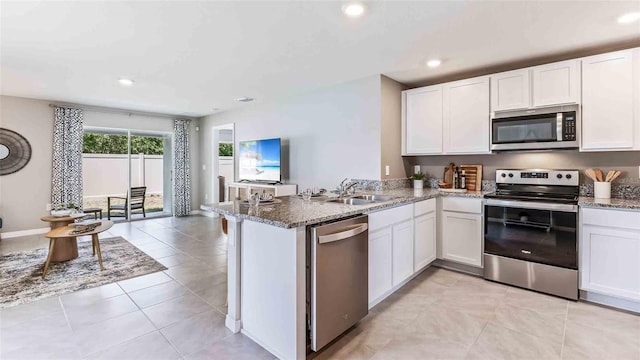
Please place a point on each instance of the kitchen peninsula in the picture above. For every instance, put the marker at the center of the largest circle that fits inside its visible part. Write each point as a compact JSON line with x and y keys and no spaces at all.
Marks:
{"x":267,"y":286}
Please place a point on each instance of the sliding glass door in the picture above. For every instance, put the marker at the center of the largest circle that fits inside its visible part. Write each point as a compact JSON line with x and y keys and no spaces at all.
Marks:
{"x":127,"y":173}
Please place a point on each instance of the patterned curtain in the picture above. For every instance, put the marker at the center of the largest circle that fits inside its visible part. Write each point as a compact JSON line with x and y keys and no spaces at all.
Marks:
{"x":182,"y":181}
{"x":66,"y":176}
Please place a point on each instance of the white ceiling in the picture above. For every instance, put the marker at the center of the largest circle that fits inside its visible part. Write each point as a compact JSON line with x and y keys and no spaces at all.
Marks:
{"x":189,"y":57}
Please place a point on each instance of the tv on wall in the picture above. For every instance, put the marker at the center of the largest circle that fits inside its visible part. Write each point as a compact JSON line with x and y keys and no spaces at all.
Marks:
{"x":260,"y":160}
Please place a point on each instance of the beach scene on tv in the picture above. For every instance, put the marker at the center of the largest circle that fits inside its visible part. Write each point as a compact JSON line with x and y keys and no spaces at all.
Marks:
{"x":260,"y":160}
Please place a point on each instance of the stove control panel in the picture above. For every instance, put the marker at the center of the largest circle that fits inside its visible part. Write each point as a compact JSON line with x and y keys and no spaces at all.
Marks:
{"x":538,"y":177}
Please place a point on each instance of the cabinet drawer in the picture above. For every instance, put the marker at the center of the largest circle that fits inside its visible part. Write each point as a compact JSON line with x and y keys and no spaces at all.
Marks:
{"x":461,"y":204}
{"x":424,"y":207}
{"x":387,"y":217}
{"x":611,"y":218}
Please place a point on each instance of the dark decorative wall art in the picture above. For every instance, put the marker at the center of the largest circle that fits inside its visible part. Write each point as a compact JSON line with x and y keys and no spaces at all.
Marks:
{"x":15,"y":151}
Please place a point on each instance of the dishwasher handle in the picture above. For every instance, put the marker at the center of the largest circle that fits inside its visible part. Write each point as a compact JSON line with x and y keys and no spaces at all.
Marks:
{"x":344,"y":233}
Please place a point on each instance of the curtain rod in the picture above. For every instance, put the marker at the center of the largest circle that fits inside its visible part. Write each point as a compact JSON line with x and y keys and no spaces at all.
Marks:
{"x":119,"y":111}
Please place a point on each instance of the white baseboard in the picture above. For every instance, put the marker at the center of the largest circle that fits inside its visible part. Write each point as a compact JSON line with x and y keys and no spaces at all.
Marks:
{"x":14,"y":234}
{"x":204,"y":213}
{"x":232,"y":324}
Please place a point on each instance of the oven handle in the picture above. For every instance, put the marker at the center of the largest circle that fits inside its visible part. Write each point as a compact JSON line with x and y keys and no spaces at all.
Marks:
{"x":532,"y":205}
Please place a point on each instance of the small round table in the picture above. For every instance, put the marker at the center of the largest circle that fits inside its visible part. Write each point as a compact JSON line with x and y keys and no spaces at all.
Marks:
{"x":67,"y":249}
{"x":66,"y":232}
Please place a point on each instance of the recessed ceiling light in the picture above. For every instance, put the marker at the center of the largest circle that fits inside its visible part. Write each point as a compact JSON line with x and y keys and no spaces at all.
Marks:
{"x":629,"y":18}
{"x":245,"y":99}
{"x":434,"y":63}
{"x":125,"y":82}
{"x":353,"y":9}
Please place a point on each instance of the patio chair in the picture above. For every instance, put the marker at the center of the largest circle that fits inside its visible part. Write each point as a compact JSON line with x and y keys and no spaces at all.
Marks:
{"x":137,"y":202}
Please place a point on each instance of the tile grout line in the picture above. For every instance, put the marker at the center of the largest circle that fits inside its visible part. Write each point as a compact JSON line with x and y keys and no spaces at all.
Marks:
{"x":564,"y":331}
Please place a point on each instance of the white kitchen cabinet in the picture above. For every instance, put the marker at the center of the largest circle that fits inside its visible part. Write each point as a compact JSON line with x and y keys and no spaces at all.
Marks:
{"x":422,"y":121}
{"x":607,"y":102}
{"x":510,"y":90}
{"x":425,"y":240}
{"x":402,"y":252}
{"x":462,"y":234}
{"x":609,"y":253}
{"x":466,"y":116}
{"x":380,"y":270}
{"x":556,"y":84}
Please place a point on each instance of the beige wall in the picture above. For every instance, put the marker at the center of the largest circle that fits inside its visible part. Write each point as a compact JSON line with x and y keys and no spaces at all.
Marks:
{"x":627,"y":162}
{"x":25,"y":194}
{"x":391,"y":137}
{"x":329,"y":134}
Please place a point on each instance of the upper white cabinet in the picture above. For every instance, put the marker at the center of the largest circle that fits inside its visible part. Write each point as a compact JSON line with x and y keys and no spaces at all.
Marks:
{"x":422,"y":121}
{"x":607,"y":102}
{"x":466,"y":116}
{"x":510,"y":90}
{"x":539,"y":86}
{"x":556,"y":84}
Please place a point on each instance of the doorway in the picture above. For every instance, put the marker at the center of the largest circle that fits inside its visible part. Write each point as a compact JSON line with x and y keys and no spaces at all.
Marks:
{"x":127,"y":173}
{"x":222,"y":164}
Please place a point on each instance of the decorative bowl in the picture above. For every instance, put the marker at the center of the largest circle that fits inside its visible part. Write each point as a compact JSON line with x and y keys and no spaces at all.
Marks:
{"x":62,"y":213}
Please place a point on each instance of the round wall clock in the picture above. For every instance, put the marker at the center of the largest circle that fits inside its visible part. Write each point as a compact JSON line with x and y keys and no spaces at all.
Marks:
{"x":15,"y":152}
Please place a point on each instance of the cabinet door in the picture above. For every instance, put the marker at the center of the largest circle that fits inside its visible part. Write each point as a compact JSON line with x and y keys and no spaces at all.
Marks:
{"x":402,"y":252}
{"x":380,"y":248}
{"x":422,"y":120}
{"x":510,"y":90}
{"x":466,"y":116}
{"x":424,"y":241}
{"x":556,"y":84}
{"x":607,"y":102}
{"x":462,"y":238}
{"x":609,"y":262}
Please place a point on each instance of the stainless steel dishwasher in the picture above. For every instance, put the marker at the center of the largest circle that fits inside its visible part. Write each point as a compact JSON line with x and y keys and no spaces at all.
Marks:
{"x":339,"y":262}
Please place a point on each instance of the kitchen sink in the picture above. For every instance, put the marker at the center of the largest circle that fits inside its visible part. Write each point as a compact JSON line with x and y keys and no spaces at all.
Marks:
{"x":374,"y":198}
{"x":361,"y":199}
{"x":350,"y":201}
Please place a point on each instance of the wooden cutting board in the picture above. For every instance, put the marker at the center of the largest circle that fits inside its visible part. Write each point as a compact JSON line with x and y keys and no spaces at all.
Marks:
{"x":448,"y":174}
{"x":474,"y":176}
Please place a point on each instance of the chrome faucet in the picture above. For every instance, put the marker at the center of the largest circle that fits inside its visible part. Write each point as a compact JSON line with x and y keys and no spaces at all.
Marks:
{"x":343,"y":189}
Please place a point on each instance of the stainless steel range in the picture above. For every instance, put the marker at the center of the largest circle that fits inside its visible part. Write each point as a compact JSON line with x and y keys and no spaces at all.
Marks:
{"x":531,"y":238}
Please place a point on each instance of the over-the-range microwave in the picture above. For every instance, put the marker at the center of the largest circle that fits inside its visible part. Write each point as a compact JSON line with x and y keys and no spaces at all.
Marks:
{"x":536,"y":129}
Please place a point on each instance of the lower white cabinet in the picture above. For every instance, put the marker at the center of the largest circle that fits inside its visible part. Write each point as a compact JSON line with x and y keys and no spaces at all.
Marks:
{"x":462,"y":231}
{"x":424,"y":249}
{"x":610,"y":253}
{"x":380,"y":281}
{"x":402,"y":252}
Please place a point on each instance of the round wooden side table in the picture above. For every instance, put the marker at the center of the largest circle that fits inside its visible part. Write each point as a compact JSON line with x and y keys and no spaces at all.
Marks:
{"x":66,"y":248}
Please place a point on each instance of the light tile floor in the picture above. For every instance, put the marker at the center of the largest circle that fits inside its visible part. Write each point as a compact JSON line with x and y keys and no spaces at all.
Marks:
{"x":179,"y":313}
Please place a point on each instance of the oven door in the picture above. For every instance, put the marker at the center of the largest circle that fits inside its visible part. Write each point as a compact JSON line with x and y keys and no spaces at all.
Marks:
{"x":537,"y":232}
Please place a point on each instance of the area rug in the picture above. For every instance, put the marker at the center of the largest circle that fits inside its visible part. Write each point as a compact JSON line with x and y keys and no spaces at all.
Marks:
{"x":21,"y":279}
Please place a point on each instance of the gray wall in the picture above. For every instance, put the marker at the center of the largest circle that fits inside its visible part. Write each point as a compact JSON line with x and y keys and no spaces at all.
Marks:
{"x":627,"y":162}
{"x":391,"y":124}
{"x":25,"y":194}
{"x":332,"y":133}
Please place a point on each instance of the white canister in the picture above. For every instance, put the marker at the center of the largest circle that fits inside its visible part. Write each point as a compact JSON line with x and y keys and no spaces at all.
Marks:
{"x":418,"y":184}
{"x":602,"y":190}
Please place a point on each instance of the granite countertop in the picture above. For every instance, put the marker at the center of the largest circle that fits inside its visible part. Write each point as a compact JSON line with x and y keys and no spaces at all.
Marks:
{"x":628,"y":204}
{"x":292,"y":211}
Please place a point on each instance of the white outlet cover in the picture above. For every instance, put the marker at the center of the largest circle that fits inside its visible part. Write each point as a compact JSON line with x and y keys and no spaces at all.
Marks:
{"x":416,"y":169}
{"x":387,"y":170}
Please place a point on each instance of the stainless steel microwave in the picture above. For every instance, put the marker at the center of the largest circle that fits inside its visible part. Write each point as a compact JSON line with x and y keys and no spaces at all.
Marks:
{"x":537,"y":129}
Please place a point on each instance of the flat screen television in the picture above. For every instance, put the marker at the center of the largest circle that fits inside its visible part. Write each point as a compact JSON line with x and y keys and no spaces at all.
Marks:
{"x":260,"y":160}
